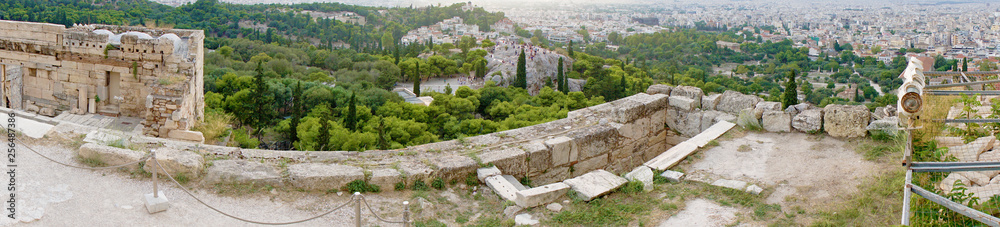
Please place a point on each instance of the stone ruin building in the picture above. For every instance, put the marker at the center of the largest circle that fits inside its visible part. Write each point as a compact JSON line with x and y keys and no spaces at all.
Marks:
{"x":152,"y":74}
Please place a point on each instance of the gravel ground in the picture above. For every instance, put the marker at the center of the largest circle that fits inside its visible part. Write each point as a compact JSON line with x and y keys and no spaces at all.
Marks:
{"x":701,"y":212}
{"x":49,"y":194}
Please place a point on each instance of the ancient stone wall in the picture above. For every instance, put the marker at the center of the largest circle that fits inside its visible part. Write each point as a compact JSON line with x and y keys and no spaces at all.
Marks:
{"x":616,"y":136}
{"x":154,"y":74}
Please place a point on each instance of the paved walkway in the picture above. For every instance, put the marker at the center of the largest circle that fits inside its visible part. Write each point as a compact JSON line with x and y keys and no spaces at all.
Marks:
{"x":27,"y":126}
{"x":127,"y":124}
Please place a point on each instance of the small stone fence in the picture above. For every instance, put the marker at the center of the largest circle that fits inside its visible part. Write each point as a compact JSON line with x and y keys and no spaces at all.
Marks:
{"x":616,"y":137}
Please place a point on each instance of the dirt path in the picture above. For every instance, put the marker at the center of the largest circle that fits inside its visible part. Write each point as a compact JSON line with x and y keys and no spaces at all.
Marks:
{"x":49,"y":194}
{"x":701,"y":212}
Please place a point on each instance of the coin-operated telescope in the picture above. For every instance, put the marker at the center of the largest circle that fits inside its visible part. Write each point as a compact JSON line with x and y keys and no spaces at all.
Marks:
{"x":911,"y":92}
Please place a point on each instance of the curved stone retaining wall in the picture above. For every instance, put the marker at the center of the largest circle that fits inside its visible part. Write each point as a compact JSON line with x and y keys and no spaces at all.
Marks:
{"x":616,"y":136}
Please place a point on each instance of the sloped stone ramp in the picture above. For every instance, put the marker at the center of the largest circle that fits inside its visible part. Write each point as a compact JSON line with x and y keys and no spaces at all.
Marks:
{"x":676,"y":154}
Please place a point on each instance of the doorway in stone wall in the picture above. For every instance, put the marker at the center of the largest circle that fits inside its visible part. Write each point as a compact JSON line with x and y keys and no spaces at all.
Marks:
{"x":112,"y":81}
{"x":10,"y":86}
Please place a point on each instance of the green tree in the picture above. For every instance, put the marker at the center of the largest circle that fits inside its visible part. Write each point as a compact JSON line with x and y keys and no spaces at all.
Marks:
{"x":395,"y":55}
{"x":487,"y":43}
{"x":383,"y":143}
{"x":570,"y":49}
{"x":352,"y":113}
{"x":297,"y":112}
{"x":791,"y":95}
{"x":858,"y":97}
{"x":622,"y":88}
{"x":965,"y":64}
{"x":226,"y":51}
{"x":521,"y":80}
{"x":324,"y":134}
{"x":560,"y":78}
{"x":262,"y":101}
{"x":416,"y":80}
{"x":807,"y":89}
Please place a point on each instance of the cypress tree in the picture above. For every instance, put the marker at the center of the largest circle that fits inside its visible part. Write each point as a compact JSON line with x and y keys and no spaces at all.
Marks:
{"x":383,"y":143}
{"x":522,"y":73}
{"x":352,"y":114}
{"x":297,"y":112}
{"x":570,"y":48}
{"x":622,"y":88}
{"x":261,"y":102}
{"x":857,"y":95}
{"x":560,"y":78}
{"x":324,"y":129}
{"x":482,"y":68}
{"x":396,"y":55}
{"x":965,"y":64}
{"x":416,"y":80}
{"x":791,"y":96}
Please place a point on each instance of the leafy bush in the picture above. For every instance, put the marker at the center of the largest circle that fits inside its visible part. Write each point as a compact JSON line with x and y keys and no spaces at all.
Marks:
{"x":400,"y":186}
{"x":419,"y":185}
{"x":438,"y":183}
{"x":471,"y":180}
{"x":215,"y":125}
{"x":631,"y":187}
{"x":525,"y":181}
{"x":241,"y":138}
{"x":361,"y":186}
{"x":658,"y":179}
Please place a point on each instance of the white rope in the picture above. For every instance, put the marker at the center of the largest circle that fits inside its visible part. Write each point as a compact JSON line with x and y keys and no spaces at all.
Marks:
{"x":238,"y":218}
{"x":376,"y":215}
{"x":144,"y":158}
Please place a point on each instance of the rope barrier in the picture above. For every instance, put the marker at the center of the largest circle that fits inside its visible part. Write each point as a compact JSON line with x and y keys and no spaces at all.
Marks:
{"x":189,"y":193}
{"x":144,"y":158}
{"x":376,"y":215}
{"x":238,"y":218}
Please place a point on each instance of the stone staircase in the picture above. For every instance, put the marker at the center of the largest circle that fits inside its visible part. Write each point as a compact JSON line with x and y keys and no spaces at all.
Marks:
{"x":109,"y":110}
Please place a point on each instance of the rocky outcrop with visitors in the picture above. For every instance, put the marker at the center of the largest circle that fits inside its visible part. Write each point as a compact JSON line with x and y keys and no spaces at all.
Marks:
{"x":541,"y":65}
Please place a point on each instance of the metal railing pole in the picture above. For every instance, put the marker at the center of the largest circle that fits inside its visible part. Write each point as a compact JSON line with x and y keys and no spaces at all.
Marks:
{"x":406,"y":213}
{"x":156,"y":167}
{"x":908,"y":163}
{"x":357,"y":209}
{"x":906,"y":198}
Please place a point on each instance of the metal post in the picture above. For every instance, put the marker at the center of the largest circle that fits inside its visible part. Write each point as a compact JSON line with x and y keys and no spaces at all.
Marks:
{"x":156,"y":167}
{"x":406,"y":213}
{"x":357,"y":209}
{"x":907,"y":162}
{"x":906,"y":198}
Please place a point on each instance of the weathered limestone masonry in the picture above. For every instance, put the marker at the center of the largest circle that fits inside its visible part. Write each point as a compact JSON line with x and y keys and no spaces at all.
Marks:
{"x":155,"y":74}
{"x":617,"y":137}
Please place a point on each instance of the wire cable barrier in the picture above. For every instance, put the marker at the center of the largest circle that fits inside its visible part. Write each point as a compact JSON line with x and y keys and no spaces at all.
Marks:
{"x":357,"y":198}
